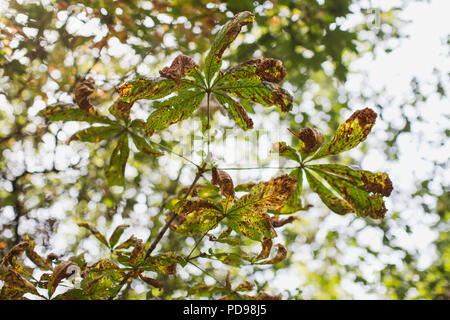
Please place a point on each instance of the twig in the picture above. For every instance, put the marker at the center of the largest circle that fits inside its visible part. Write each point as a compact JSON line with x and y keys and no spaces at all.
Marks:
{"x":200,"y":171}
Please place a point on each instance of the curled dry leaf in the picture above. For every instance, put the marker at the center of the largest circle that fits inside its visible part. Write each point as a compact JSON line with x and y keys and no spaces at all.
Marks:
{"x":228,"y":281}
{"x":153,"y":282}
{"x":266,"y":245}
{"x":276,"y":222}
{"x":311,"y":139}
{"x":179,"y":67}
{"x":280,"y":256}
{"x":62,"y":271}
{"x":223,"y":180}
{"x":18,"y":249}
{"x":82,"y":93}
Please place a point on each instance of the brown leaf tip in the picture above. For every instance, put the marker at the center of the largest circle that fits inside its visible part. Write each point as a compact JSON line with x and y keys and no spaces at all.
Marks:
{"x":271,"y":70}
{"x":177,"y":70}
{"x":364,"y":116}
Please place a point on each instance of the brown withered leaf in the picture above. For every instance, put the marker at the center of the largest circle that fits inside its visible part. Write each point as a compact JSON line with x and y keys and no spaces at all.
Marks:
{"x":228,"y":281}
{"x":263,"y":296}
{"x":179,"y":67}
{"x":153,"y":282}
{"x":311,"y":140}
{"x":266,"y":246}
{"x":138,"y":252}
{"x":18,"y":249}
{"x":15,"y":285}
{"x":271,"y":70}
{"x":277,"y":222}
{"x":245,"y":286}
{"x":82,"y":93}
{"x":62,"y":271}
{"x":280,"y":256}
{"x":223,"y":180}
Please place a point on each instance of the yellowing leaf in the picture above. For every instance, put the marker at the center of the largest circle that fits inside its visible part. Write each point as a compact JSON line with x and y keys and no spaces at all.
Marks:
{"x":235,"y":110}
{"x":378,"y":182}
{"x":95,"y":134}
{"x":174,"y":110}
{"x":349,"y":134}
{"x":335,"y":204}
{"x":224,"y":38}
{"x":249,"y":215}
{"x":116,"y":169}
{"x":197,"y":216}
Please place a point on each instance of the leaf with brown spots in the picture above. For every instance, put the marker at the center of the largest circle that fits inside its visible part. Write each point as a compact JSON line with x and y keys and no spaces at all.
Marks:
{"x":138,"y":254}
{"x":197,"y":216}
{"x":235,"y":110}
{"x":294,"y":202}
{"x":117,"y":233}
{"x":248,"y":215}
{"x":286,"y":151}
{"x":10,"y":258}
{"x":174,"y":110}
{"x":121,"y":109}
{"x":349,"y":134}
{"x":150,"y":89}
{"x":115,"y":171}
{"x":338,"y":205}
{"x":95,"y":134}
{"x":67,"y":112}
{"x":262,"y":92}
{"x":363,"y":203}
{"x":144,"y":147}
{"x":223,"y":180}
{"x":378,"y":182}
{"x":224,"y":38}
{"x":15,"y":285}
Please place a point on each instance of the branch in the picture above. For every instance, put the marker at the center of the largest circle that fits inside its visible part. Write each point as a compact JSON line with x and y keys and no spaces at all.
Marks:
{"x":200,"y":171}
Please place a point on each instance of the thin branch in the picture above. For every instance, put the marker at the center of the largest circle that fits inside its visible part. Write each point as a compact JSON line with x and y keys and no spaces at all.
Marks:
{"x":200,"y":171}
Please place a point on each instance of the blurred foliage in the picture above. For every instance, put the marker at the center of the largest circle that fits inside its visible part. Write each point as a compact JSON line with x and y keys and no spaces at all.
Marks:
{"x":47,"y":188}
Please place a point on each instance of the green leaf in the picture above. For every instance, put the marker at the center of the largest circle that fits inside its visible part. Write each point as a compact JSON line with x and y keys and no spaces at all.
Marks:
{"x":224,"y":38}
{"x":67,"y":112}
{"x":121,"y":109}
{"x":334,"y":203}
{"x":371,"y":182}
{"x":249,"y":215}
{"x":196,"y":216}
{"x":174,"y":110}
{"x":117,"y":234}
{"x":294,"y":202}
{"x":150,"y":89}
{"x":95,"y":232}
{"x":95,"y":134}
{"x":235,"y":110}
{"x":144,"y":147}
{"x":363,"y":203}
{"x":287,"y":151}
{"x":349,"y":134}
{"x":116,"y":168}
{"x":262,"y":92}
